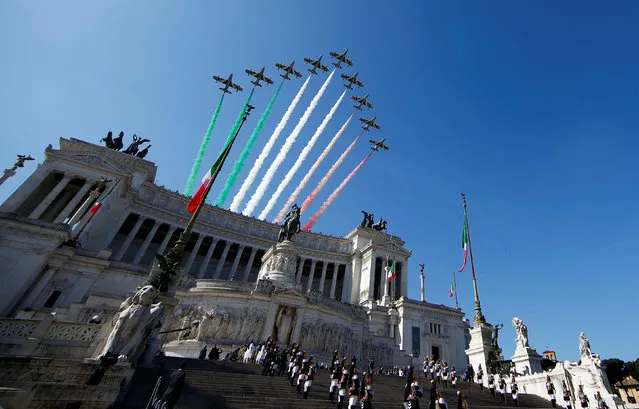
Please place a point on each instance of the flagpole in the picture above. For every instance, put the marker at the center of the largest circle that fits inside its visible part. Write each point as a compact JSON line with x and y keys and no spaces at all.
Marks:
{"x":479,"y":317}
{"x":174,"y":257}
{"x":455,"y":284}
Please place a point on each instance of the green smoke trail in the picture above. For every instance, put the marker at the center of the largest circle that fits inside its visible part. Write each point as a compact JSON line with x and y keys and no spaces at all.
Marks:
{"x":200,"y":155}
{"x":238,"y":121}
{"x":237,"y":166}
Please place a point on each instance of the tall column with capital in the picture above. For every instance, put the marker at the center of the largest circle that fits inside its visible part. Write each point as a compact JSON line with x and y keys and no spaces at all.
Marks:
{"x":323,"y":277}
{"x":236,"y":262}
{"x":300,"y":270}
{"x":334,"y":282}
{"x":309,"y":284}
{"x":6,"y":175}
{"x":129,"y":239}
{"x":147,"y":242}
{"x":220,"y":263}
{"x":249,"y":265}
{"x":166,"y":240}
{"x":46,"y":202}
{"x":191,"y":259}
{"x":64,"y":214}
{"x":207,"y":259}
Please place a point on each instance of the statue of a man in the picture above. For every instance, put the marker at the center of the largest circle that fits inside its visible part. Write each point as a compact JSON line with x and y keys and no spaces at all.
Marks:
{"x":495,"y":340}
{"x":365,"y":221}
{"x":584,"y":346}
{"x":291,"y":224}
{"x":20,"y":162}
{"x":138,"y":317}
{"x":522,"y":332}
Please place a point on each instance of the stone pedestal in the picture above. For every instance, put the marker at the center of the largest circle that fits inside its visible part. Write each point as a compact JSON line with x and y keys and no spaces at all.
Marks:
{"x":527,"y":360}
{"x":480,"y":346}
{"x":279,"y":264}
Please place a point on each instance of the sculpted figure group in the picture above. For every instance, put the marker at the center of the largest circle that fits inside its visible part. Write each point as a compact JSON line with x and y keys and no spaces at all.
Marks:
{"x":369,"y":221}
{"x":133,"y":149}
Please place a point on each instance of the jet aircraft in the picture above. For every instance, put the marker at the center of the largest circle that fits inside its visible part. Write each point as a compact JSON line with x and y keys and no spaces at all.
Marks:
{"x":316,"y":64}
{"x":362,"y":102}
{"x":341,"y":58}
{"x":377,"y":145}
{"x":288,"y":69}
{"x":228,"y":83}
{"x":352,"y":80}
{"x":368,"y":123}
{"x":259,"y":76}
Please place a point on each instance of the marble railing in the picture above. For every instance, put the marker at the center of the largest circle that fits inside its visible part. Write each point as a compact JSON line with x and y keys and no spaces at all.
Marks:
{"x":70,"y":331}
{"x":12,"y":328}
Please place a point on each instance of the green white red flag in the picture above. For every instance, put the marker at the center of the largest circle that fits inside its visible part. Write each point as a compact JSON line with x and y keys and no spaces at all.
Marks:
{"x":451,"y":292}
{"x":391,"y":273}
{"x":98,"y":204}
{"x":464,"y":244}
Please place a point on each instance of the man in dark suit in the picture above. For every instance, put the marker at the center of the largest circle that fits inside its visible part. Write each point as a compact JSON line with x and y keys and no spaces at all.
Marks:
{"x":173,"y":389}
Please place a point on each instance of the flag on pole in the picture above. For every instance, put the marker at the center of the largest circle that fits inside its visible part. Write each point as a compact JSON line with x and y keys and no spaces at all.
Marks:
{"x":98,"y":204}
{"x":208,"y":179}
{"x":391,"y":273}
{"x":464,"y":244}
{"x":451,"y":292}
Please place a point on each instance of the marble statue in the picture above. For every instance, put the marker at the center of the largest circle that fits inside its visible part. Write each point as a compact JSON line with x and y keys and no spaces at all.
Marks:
{"x":584,"y":347}
{"x":522,"y":332}
{"x":137,"y":319}
{"x":291,"y":224}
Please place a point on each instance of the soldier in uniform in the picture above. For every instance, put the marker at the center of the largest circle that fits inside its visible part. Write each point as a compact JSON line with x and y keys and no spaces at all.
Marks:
{"x":583,"y":399}
{"x":353,"y":391}
{"x":297,"y":365}
{"x":551,"y":391}
{"x":445,"y":374}
{"x":502,"y":387}
{"x":366,"y":393}
{"x":334,"y":383}
{"x":480,"y":376}
{"x":301,"y":378}
{"x":514,"y":391}
{"x":343,"y":386}
{"x":567,"y":394}
{"x":310,"y":375}
{"x":491,"y":382}
{"x":415,"y":392}
{"x":601,"y":404}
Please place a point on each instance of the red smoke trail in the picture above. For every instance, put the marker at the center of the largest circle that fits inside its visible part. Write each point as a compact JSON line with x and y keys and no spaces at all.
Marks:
{"x":328,"y":175}
{"x":333,"y":195}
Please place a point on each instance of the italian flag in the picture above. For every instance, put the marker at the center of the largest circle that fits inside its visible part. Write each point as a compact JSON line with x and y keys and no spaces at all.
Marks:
{"x":451,"y":292}
{"x":209,"y":178}
{"x":94,"y":209}
{"x":391,"y":273}
{"x":464,"y":245}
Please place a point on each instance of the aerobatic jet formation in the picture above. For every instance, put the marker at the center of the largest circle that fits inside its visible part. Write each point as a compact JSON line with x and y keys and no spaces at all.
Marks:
{"x":228,"y":83}
{"x":368,"y":123}
{"x":341,"y":58}
{"x":363,"y":101}
{"x":350,"y":80}
{"x":259,"y":76}
{"x":288,"y":69}
{"x":377,"y":145}
{"x":316,"y":64}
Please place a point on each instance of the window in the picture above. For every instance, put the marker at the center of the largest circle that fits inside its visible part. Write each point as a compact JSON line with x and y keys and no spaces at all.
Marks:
{"x":631,"y":399}
{"x":52,"y":299}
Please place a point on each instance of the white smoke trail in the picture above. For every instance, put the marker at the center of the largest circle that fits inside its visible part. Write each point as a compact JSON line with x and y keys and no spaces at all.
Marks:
{"x":300,"y":159}
{"x":237,"y":200}
{"x":261,"y":189}
{"x":310,"y":173}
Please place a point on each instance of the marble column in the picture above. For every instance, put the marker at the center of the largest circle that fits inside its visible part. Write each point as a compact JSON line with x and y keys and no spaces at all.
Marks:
{"x":73,"y":203}
{"x":207,"y":259}
{"x":347,"y":284}
{"x":116,"y":226}
{"x":309,"y":284}
{"x":129,"y":239}
{"x":334,"y":281}
{"x":191,"y":259}
{"x":220,"y":264}
{"x":299,"y":318}
{"x":44,"y":205}
{"x":165,"y":241}
{"x":270,"y":320}
{"x":93,"y":196}
{"x":323,"y":277}
{"x":300,"y":270}
{"x":7,"y":174}
{"x":147,"y":241}
{"x":247,"y":270}
{"x":39,"y":286}
{"x":240,"y":250}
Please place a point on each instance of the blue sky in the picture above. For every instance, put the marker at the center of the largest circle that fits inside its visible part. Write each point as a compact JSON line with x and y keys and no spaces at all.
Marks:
{"x":530,"y":108}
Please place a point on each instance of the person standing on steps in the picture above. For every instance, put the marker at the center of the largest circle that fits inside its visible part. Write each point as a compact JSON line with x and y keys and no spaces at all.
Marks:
{"x":433,"y":395}
{"x":583,"y":399}
{"x":601,"y":404}
{"x":174,"y":389}
{"x":441,"y":403}
{"x":567,"y":395}
{"x":502,"y":387}
{"x":203,"y":353}
{"x":366,"y":400}
{"x":491,"y":382}
{"x":343,"y":386}
{"x":310,"y":375}
{"x":551,"y":391}
{"x":415,"y":394}
{"x":480,"y":376}
{"x":514,"y":391}
{"x":334,"y":383}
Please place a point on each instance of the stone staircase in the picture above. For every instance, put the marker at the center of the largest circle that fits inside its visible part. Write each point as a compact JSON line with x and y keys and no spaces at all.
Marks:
{"x":231,"y":385}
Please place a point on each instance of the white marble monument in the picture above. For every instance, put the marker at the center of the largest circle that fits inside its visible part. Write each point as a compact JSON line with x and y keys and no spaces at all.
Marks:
{"x":526,"y":359}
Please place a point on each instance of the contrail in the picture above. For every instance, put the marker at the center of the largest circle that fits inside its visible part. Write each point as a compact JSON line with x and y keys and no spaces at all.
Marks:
{"x":237,"y":166}
{"x":238,"y":121}
{"x":261,"y":189}
{"x":237,"y":200}
{"x":310,"y":173}
{"x":300,"y":159}
{"x":333,"y":195}
{"x":328,"y":175}
{"x":200,"y":155}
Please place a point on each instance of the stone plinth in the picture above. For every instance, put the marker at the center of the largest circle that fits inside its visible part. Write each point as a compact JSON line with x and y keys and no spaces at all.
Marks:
{"x":480,"y":346}
{"x":527,"y":360}
{"x":279,"y":264}
{"x":189,"y":348}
